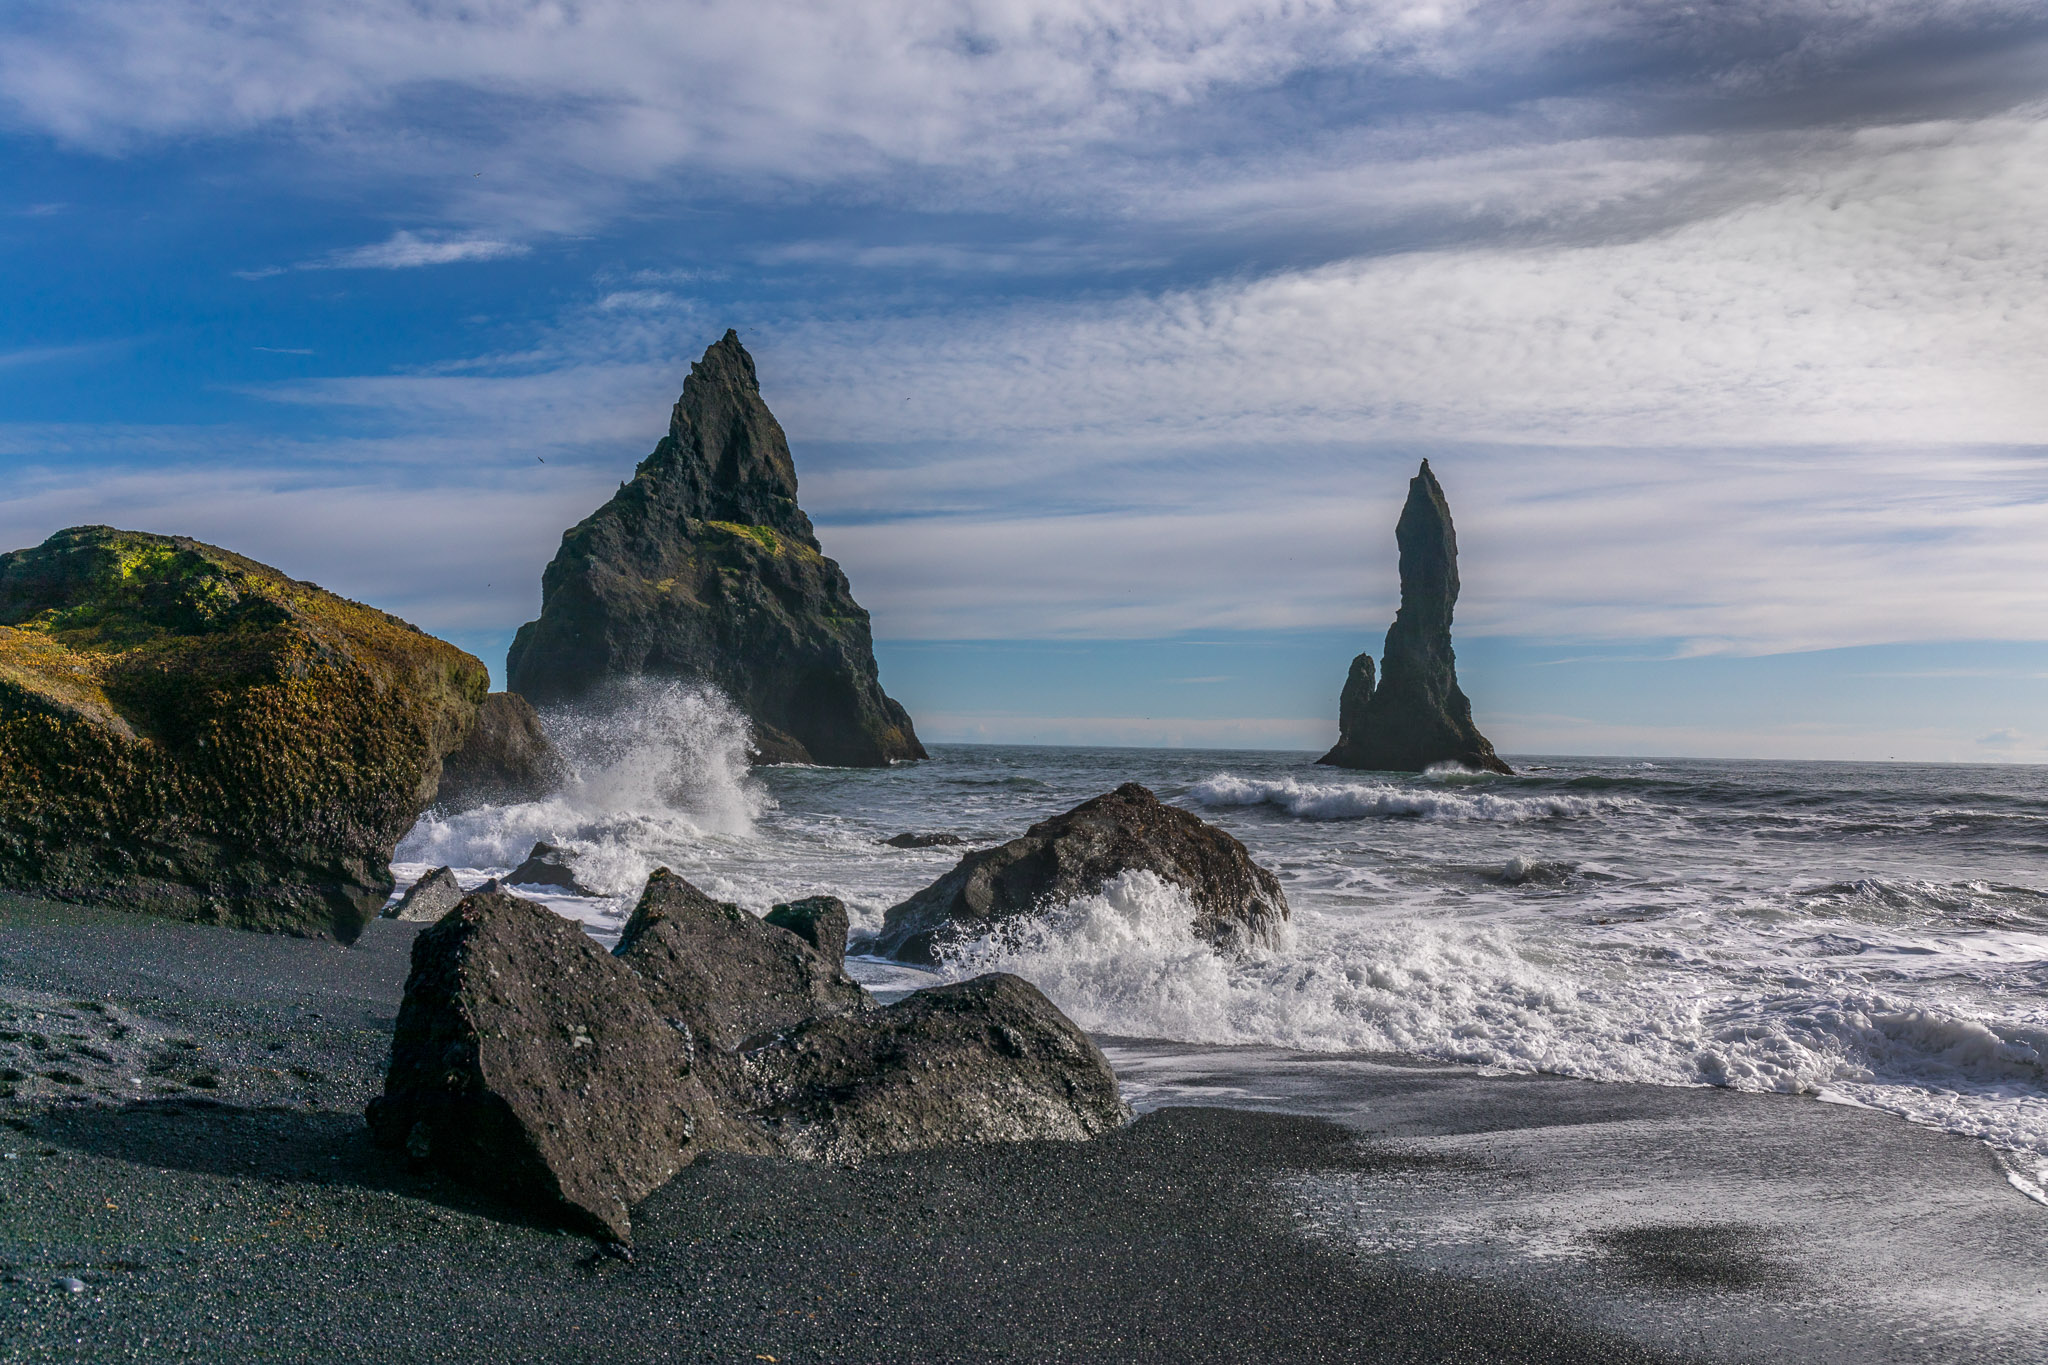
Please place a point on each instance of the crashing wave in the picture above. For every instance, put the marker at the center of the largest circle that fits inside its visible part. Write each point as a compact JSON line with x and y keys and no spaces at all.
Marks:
{"x":656,"y":767}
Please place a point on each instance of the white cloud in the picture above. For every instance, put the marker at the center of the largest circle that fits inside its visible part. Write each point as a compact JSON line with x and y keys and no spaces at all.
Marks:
{"x":563,"y":109}
{"x":409,"y":250}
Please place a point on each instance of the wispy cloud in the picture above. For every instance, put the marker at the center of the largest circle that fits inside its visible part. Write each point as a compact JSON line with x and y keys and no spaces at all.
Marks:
{"x":406,"y":250}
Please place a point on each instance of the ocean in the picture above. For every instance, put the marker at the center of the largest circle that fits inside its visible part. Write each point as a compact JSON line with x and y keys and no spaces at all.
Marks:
{"x":1866,"y":933}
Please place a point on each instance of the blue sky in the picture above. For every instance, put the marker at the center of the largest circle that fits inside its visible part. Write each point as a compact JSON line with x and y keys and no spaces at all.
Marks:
{"x":1106,"y":334}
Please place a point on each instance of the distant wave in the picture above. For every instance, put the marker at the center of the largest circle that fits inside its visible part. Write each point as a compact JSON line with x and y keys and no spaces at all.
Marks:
{"x":1379,"y":801}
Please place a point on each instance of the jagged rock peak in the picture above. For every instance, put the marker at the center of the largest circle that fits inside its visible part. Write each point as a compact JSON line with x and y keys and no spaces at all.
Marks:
{"x":725,"y":450}
{"x":1416,"y":715}
{"x":703,"y":568}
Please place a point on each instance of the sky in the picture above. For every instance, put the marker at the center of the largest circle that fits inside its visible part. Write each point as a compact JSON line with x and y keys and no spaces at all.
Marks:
{"x":1106,"y":333}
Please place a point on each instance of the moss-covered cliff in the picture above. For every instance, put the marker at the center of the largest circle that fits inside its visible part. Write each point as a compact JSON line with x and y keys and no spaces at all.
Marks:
{"x":702,"y":566}
{"x":186,"y":732}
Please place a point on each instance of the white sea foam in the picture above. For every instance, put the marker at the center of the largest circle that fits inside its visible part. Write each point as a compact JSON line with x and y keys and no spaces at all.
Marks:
{"x":1381,"y":801}
{"x":1490,"y":994}
{"x":657,"y":769}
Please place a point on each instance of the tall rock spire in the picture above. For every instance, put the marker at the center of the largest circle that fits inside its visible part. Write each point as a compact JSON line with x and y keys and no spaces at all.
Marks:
{"x":1416,"y":715}
{"x":703,"y":567}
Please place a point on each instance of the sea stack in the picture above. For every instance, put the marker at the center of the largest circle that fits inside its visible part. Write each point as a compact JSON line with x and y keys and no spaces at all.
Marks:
{"x":1416,"y":715}
{"x":703,"y":567}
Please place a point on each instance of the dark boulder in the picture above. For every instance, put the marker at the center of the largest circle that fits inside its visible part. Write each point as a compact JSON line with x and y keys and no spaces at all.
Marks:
{"x":429,"y":898}
{"x":189,"y":733}
{"x":820,"y":921}
{"x":925,"y":841}
{"x":1072,"y":855}
{"x":1416,"y":716}
{"x":988,"y":1060}
{"x":729,"y":975}
{"x":547,"y":866}
{"x":508,"y":757}
{"x":703,"y":567}
{"x":529,"y":1062}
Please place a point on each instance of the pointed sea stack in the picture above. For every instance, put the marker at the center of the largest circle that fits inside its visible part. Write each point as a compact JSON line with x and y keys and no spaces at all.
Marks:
{"x":703,"y":567}
{"x":1416,"y":715}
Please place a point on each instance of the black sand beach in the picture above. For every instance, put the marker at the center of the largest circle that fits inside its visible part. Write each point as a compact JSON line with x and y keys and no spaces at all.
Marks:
{"x":184,"y":1139}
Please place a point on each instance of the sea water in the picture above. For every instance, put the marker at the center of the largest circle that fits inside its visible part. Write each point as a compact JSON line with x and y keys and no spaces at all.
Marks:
{"x":1873,"y":934}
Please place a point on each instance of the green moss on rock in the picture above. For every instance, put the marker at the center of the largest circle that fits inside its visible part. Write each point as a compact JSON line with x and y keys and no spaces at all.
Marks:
{"x":190,"y":733}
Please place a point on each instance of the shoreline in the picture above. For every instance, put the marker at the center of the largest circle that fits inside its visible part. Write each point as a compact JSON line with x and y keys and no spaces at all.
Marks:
{"x":1314,"y":1207}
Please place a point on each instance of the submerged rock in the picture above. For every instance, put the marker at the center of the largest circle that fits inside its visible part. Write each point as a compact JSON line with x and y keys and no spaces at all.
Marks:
{"x":730,"y":976}
{"x":1416,"y":716}
{"x":1237,"y":902}
{"x":186,"y":732}
{"x":429,"y":898}
{"x":529,"y":1062}
{"x":703,"y":567}
{"x":547,"y":866}
{"x":508,"y":757}
{"x":988,"y":1060}
{"x":925,"y":841}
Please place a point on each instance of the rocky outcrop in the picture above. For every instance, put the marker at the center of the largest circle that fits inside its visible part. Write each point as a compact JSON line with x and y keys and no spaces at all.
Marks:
{"x":988,"y":1060}
{"x":186,"y":732}
{"x":1416,"y":716}
{"x":547,"y":867}
{"x":427,"y":899}
{"x":1237,"y":902}
{"x":914,"y":840}
{"x":730,"y":976}
{"x":530,"y":1063}
{"x":703,"y":567}
{"x":820,"y":921}
{"x":508,"y":757}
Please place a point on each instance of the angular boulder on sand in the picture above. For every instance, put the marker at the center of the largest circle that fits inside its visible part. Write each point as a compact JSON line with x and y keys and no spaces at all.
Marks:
{"x":820,"y":921}
{"x":703,"y":567}
{"x":508,"y":757}
{"x":189,"y":733}
{"x":730,"y":976}
{"x":988,"y":1060}
{"x":1416,"y":715}
{"x":1237,"y":902}
{"x":528,"y":1061}
{"x":429,"y":898}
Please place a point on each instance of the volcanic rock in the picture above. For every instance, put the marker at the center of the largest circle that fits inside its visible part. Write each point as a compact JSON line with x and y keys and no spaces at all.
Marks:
{"x":1416,"y":716}
{"x":429,"y":898}
{"x":988,"y":1060}
{"x":730,"y":976}
{"x":508,"y":757}
{"x":189,"y":733}
{"x":547,"y":866}
{"x":924,"y":841}
{"x":1072,"y":855}
{"x":530,"y":1062}
{"x":703,"y":567}
{"x":820,"y":921}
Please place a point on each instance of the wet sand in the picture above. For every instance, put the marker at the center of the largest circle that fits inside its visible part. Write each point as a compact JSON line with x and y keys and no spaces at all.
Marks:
{"x":201,"y":1167}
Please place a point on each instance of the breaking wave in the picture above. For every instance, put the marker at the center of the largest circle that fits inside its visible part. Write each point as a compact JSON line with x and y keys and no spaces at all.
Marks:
{"x":656,"y":767}
{"x":1382,"y":801}
{"x":1126,"y":961}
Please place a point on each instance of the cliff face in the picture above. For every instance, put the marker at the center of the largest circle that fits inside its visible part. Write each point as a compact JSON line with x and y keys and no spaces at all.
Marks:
{"x":1416,"y":715}
{"x":704,"y":567}
{"x":189,"y":733}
